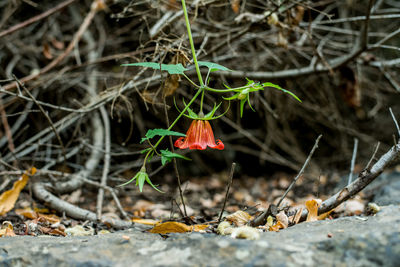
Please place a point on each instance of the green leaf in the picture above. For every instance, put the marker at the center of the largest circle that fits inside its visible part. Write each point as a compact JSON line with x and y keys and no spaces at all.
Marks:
{"x":170,"y":68}
{"x":167,"y":156}
{"x":212,"y":66}
{"x":267,"y":84}
{"x":211,"y":113}
{"x":137,"y":177}
{"x":242,"y":102}
{"x":141,"y":179}
{"x":161,"y":132}
{"x":192,"y":114}
{"x":235,"y":96}
{"x":152,"y":185}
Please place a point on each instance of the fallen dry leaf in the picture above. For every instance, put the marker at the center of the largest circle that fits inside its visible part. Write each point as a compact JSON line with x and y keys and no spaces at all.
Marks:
{"x":7,"y":229}
{"x":282,"y":217}
{"x":239,"y":218}
{"x":235,"y":5}
{"x":200,"y":227}
{"x":145,"y":221}
{"x":276,"y":227}
{"x":171,"y":84}
{"x":47,"y":51}
{"x":31,"y":214}
{"x":51,"y":231}
{"x":176,"y":227}
{"x":8,"y":198}
{"x":312,"y":207}
{"x":297,"y":216}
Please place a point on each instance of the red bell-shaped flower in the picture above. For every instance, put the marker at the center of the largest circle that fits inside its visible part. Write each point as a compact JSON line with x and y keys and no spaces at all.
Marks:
{"x":199,"y":136}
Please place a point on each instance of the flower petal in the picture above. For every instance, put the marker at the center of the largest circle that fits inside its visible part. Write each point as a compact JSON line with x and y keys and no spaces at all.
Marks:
{"x":199,"y":136}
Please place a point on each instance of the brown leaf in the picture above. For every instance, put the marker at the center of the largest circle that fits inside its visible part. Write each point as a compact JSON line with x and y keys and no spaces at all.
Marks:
{"x":47,"y":51}
{"x":8,"y":198}
{"x":297,"y":217}
{"x":239,"y":218}
{"x":351,"y":90}
{"x":176,"y":227}
{"x":170,"y":227}
{"x":200,"y":227}
{"x":31,"y":214}
{"x":51,"y":231}
{"x":171,"y":84}
{"x":235,"y":5}
{"x":172,"y":5}
{"x":7,"y":229}
{"x":312,"y":207}
{"x":282,"y":217}
{"x":57,"y":44}
{"x":27,"y":213}
{"x":145,"y":221}
{"x":276,"y":227}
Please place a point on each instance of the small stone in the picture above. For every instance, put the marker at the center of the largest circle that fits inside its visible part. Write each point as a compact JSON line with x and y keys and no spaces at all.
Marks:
{"x":242,"y":254}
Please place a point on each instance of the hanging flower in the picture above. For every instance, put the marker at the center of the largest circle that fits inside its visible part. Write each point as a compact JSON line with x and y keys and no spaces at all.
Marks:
{"x":199,"y":136}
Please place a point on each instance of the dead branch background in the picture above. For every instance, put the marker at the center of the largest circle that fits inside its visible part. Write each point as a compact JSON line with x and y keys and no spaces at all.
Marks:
{"x":96,"y":111}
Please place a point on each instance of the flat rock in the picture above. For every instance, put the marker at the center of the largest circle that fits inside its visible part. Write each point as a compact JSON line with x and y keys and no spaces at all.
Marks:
{"x":348,"y":241}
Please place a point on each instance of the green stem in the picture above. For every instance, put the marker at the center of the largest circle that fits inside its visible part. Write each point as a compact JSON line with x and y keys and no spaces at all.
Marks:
{"x":231,"y":89}
{"x":201,"y":102}
{"x":192,"y":82}
{"x":226,"y":90}
{"x":177,"y":118}
{"x":189,"y":31}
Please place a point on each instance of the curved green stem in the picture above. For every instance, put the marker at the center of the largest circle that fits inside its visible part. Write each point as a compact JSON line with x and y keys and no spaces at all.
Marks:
{"x":225,"y":90}
{"x":192,"y":82}
{"x":189,"y":31}
{"x":177,"y":118}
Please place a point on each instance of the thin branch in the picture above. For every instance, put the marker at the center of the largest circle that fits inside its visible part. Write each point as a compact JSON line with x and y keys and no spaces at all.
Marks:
{"x":395,"y":121}
{"x":373,"y":156}
{"x":174,"y":160}
{"x":353,"y":161}
{"x":301,"y":171}
{"x":36,"y":18}
{"x":107,"y":158}
{"x":85,"y":24}
{"x":113,"y":194}
{"x":359,"y":47}
{"x":227,"y":190}
{"x":6,"y":127}
{"x":46,"y":115}
{"x":364,"y":179}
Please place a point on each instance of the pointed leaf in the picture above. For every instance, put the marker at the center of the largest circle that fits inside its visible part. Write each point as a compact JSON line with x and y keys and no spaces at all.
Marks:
{"x":211,"y":113}
{"x":160,"y":132}
{"x":9,"y":197}
{"x":192,"y":114}
{"x":235,"y":96}
{"x":212,"y":66}
{"x":130,"y":181}
{"x":268,"y":84}
{"x":141,"y":179}
{"x":167,"y":156}
{"x":152,"y":185}
{"x":170,"y":68}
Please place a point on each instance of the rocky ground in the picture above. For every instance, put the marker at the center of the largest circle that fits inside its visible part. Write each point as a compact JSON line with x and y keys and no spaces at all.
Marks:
{"x":346,"y":241}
